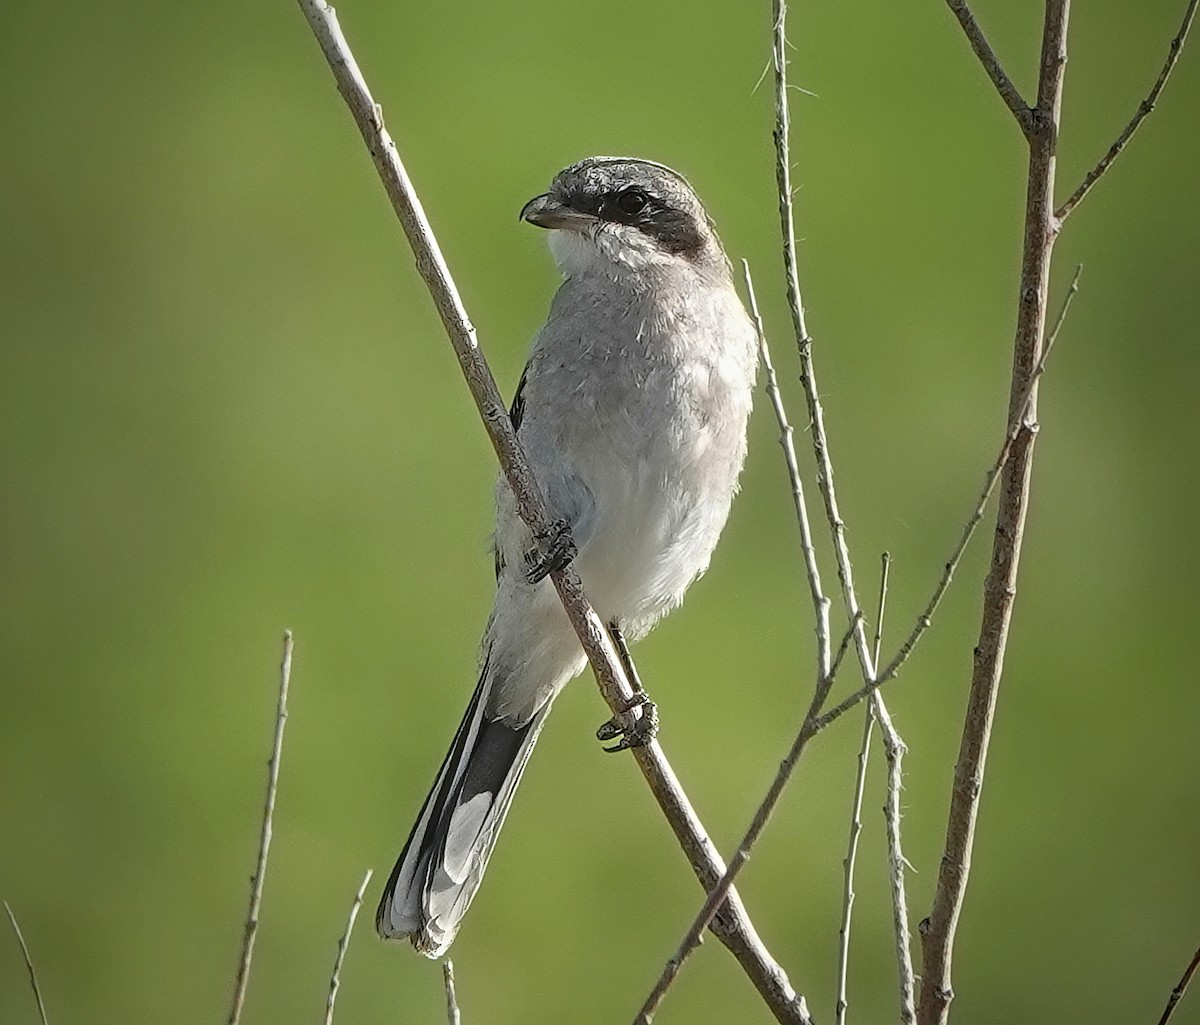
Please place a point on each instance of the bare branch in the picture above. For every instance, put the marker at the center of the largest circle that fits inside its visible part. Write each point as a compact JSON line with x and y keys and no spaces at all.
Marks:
{"x":1000,"y":586}
{"x":732,"y":926}
{"x":33,"y":981}
{"x":813,"y":572}
{"x":894,"y":749}
{"x":804,"y":342}
{"x":452,"y":1015}
{"x":1144,"y":108}
{"x":264,"y":837}
{"x":860,"y":786}
{"x":989,"y":485}
{"x":991,"y":64}
{"x":335,"y":978}
{"x":1172,"y":1000}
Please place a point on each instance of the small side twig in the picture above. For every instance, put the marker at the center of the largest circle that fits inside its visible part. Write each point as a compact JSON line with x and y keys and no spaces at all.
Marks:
{"x":860,"y":786}
{"x":848,"y":863}
{"x":1176,"y":993}
{"x":452,"y":1015}
{"x":33,"y":980}
{"x":991,"y":63}
{"x":264,"y":838}
{"x":1140,"y":115}
{"x":335,"y":977}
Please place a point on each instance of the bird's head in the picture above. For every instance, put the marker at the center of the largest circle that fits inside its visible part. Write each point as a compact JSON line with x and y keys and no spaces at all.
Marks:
{"x":624,"y":217}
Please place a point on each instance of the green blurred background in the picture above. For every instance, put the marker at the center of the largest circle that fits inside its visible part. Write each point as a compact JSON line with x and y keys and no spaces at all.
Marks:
{"x":227,"y":407}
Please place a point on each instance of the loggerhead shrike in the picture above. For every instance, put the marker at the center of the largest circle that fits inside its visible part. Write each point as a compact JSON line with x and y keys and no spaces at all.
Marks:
{"x":632,"y":410}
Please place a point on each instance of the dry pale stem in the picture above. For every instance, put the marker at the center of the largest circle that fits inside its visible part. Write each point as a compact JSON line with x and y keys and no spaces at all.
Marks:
{"x":264,"y":839}
{"x":848,"y":863}
{"x":335,"y":977}
{"x":452,"y":1015}
{"x":33,"y":979}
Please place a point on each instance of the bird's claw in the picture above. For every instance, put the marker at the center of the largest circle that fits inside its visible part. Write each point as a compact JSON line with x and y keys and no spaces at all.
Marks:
{"x":635,"y":726}
{"x":553,"y":550}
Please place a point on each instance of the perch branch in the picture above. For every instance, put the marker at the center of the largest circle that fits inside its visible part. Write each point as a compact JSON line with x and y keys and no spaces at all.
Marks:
{"x":732,"y":925}
{"x":264,"y":838}
{"x":1144,"y":108}
{"x":335,"y":977}
{"x":33,"y":980}
{"x":1000,"y":586}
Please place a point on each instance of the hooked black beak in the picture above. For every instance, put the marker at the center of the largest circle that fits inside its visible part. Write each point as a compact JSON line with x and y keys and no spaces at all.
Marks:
{"x":547,"y":212}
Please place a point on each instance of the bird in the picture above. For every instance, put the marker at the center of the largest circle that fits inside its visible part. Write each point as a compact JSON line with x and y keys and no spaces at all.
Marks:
{"x":633,"y":411}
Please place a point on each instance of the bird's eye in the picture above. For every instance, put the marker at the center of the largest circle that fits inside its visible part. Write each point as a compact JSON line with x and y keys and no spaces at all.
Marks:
{"x":632,"y":200}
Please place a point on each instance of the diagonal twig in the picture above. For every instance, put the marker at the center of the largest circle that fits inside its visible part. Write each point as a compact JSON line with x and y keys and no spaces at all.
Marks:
{"x":989,"y":486}
{"x":991,"y":64}
{"x":925,"y":619}
{"x":264,"y":839}
{"x":1180,"y":988}
{"x":732,"y":926}
{"x":1140,"y":115}
{"x":33,"y":980}
{"x":335,"y":977}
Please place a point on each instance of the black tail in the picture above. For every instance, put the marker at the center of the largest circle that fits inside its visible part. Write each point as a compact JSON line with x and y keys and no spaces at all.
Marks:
{"x":442,"y":863}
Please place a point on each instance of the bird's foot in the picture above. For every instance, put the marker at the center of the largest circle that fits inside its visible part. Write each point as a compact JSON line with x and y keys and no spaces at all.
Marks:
{"x":636,"y":725}
{"x":553,"y":550}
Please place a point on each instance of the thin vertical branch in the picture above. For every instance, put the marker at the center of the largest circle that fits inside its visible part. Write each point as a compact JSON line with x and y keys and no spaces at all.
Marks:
{"x":848,"y":895}
{"x":732,"y":925}
{"x":452,"y":1015}
{"x":1000,"y":587}
{"x":804,"y":341}
{"x":264,"y":838}
{"x":786,"y":433}
{"x":335,"y":978}
{"x":1140,"y":115}
{"x":894,"y":750}
{"x":33,"y":980}
{"x":860,"y":785}
{"x":1177,"y":993}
